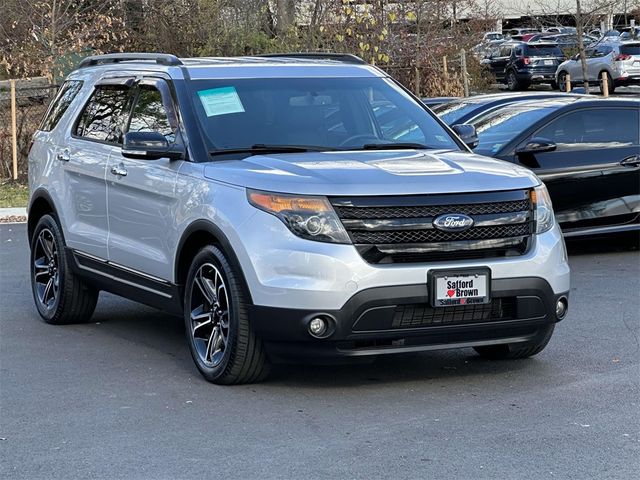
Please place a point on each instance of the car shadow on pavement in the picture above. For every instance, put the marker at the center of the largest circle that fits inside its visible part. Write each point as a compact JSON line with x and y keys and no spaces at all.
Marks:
{"x":621,"y":242}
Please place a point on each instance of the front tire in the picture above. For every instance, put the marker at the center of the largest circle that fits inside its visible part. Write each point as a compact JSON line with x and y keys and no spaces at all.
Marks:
{"x":60,"y":296}
{"x":222,"y":343}
{"x":518,"y":350}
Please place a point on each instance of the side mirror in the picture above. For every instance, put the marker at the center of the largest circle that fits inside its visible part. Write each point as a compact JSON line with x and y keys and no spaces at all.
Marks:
{"x":467,"y":134}
{"x":537,"y":145}
{"x":150,"y":146}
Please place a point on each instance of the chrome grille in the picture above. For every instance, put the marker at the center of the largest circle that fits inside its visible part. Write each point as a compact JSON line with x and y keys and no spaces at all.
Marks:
{"x":400,"y":229}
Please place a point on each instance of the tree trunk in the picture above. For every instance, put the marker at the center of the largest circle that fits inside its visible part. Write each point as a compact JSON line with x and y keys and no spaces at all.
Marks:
{"x":581,"y":49}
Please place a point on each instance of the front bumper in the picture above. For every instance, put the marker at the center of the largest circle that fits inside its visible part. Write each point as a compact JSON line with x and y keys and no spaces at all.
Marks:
{"x":284,"y":271}
{"x":399,"y":319}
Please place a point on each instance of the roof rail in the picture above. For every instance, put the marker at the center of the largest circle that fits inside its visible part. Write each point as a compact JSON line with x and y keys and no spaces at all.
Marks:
{"x":160,"y":58}
{"x":339,"y":57}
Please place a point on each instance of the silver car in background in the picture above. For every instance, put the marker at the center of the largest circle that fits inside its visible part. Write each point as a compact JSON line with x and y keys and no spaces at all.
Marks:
{"x":620,"y":61}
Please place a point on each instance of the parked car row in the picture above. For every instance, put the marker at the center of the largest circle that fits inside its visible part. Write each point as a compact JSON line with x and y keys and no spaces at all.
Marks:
{"x":586,"y":150}
{"x":521,"y":64}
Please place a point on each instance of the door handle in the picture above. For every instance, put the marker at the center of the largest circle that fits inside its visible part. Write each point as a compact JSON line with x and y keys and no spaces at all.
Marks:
{"x":119,"y":170}
{"x":63,"y":156}
{"x":632,"y":161}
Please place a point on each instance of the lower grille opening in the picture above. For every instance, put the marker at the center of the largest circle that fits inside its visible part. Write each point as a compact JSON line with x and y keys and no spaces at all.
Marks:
{"x":421,"y":315}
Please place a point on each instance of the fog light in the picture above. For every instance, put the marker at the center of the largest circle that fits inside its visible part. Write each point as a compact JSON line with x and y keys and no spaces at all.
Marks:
{"x":318,"y":327}
{"x":561,"y":308}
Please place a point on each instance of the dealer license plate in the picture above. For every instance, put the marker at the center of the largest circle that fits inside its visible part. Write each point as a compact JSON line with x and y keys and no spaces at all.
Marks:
{"x":548,"y":62}
{"x":464,"y":287}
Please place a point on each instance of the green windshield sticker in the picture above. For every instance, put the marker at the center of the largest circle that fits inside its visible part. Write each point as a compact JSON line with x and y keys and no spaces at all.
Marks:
{"x":220,"y":101}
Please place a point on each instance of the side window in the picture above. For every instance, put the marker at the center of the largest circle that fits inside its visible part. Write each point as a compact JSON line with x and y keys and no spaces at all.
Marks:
{"x":104,"y":115}
{"x":505,"y":52}
{"x":61,"y":102}
{"x":608,"y":127}
{"x":519,"y":52}
{"x":150,"y":114}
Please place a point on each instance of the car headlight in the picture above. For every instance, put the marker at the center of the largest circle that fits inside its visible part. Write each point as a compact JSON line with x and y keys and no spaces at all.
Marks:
{"x":309,"y":217}
{"x":543,"y":214}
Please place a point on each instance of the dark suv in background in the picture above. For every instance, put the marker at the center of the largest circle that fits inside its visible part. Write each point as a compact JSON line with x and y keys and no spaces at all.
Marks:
{"x":519,"y":64}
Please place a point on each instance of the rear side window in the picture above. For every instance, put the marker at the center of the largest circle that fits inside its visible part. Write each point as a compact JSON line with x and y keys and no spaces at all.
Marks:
{"x":104,"y":115}
{"x":61,"y":102}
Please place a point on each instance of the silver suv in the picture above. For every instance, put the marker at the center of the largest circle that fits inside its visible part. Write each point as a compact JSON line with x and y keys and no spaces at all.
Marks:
{"x":288,"y":207}
{"x":619,"y":60}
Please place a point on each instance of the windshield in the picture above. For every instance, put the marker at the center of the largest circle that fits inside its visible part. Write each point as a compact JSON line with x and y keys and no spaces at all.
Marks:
{"x":323,"y":113}
{"x":499,"y":127}
{"x":451,"y":112}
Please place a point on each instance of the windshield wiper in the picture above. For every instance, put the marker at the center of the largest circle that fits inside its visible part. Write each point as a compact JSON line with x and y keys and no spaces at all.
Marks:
{"x":392,"y":146}
{"x":260,"y":148}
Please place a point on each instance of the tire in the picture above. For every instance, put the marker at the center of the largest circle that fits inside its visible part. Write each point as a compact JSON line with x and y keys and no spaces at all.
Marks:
{"x":612,"y":86}
{"x":554,"y":85}
{"x":61,"y":297}
{"x":221,"y":340}
{"x":512,"y":81}
{"x":562,"y":81}
{"x":517,"y":350}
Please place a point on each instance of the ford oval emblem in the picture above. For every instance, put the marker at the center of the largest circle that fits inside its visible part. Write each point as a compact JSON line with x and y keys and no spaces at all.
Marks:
{"x":453,"y":222}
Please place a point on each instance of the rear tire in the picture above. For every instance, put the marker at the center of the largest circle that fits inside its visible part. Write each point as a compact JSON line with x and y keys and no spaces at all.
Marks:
{"x":61,"y":297}
{"x":562,"y":81}
{"x":517,"y":350}
{"x":221,"y":340}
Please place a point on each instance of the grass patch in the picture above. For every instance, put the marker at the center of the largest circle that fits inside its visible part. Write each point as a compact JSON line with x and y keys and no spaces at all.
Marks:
{"x":13,"y":194}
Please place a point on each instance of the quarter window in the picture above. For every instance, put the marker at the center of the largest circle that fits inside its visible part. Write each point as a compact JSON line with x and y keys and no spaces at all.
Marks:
{"x":104,"y":115}
{"x":60,"y":104}
{"x":150,"y":114}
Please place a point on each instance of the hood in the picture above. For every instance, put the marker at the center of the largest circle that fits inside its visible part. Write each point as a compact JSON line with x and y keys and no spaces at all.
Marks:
{"x":397,"y":172}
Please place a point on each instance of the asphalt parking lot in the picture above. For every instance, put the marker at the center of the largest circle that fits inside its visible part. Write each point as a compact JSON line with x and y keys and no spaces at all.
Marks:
{"x":120,"y":397}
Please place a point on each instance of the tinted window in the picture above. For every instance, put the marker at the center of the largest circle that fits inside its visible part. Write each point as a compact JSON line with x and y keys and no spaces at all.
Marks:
{"x":337,"y":113}
{"x":505,"y":51}
{"x":499,"y":127}
{"x":604,"y":127}
{"x":104,"y":115}
{"x":630,"y":49}
{"x":64,"y":97}
{"x":150,"y":114}
{"x":544,"y":51}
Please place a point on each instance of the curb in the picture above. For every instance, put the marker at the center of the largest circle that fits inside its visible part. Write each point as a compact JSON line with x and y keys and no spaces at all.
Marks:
{"x":13,"y":215}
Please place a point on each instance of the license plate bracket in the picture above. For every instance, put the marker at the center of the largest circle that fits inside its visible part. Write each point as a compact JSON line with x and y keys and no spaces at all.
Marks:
{"x":456,"y":287}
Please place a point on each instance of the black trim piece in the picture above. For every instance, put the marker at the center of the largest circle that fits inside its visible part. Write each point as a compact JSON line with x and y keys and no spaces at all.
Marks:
{"x":128,"y":283}
{"x":430,"y":200}
{"x":210,"y":228}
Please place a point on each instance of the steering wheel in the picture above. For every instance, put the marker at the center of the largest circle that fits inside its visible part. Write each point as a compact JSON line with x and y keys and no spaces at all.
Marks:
{"x":364,"y":136}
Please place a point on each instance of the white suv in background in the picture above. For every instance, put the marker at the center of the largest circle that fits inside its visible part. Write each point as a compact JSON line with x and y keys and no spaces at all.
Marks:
{"x":620,"y":60}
